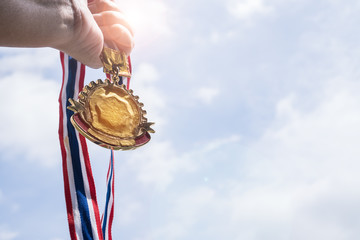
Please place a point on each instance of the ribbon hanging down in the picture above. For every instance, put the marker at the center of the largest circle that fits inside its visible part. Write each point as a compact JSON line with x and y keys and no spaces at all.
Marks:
{"x":79,"y":186}
{"x":108,"y":216}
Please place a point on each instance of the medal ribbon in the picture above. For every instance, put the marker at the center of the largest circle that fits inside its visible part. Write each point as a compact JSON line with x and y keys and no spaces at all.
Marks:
{"x":79,"y":186}
{"x":80,"y":194}
{"x":107,"y":218}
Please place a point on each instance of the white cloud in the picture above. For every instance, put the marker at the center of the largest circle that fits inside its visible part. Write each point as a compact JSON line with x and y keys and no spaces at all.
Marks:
{"x":298,"y":181}
{"x":218,"y":143}
{"x":186,"y":211}
{"x":146,"y":73}
{"x":6,"y":234}
{"x":128,"y":210}
{"x":28,"y":60}
{"x":322,"y":138}
{"x":215,"y":37}
{"x":308,"y":162}
{"x":246,"y":9}
{"x":157,"y":165}
{"x":144,"y":85}
{"x":207,"y":94}
{"x":29,"y":109}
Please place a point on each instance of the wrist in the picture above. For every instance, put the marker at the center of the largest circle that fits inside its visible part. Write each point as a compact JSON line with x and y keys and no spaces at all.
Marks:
{"x":36,"y":23}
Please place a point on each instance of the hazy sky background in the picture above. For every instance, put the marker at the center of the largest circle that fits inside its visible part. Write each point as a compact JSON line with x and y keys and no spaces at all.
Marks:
{"x":257,"y":112}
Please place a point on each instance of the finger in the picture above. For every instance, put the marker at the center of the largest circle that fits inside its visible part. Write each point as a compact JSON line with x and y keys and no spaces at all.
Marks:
{"x":98,"y":6}
{"x":86,"y":42}
{"x":118,"y":35}
{"x":110,"y":18}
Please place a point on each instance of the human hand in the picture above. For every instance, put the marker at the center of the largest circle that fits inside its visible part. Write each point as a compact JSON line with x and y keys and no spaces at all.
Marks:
{"x":69,"y":26}
{"x":101,"y":21}
{"x":113,"y":23}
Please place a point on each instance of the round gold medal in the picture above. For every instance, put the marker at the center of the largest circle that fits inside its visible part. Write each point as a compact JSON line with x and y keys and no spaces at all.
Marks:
{"x":108,"y":114}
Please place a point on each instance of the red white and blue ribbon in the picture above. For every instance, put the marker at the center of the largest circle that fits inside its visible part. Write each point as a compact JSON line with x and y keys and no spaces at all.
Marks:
{"x":108,"y":215}
{"x":80,"y":194}
{"x":79,"y":186}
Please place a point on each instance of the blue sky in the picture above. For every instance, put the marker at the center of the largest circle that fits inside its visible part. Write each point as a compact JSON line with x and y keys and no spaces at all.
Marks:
{"x":256,"y":104}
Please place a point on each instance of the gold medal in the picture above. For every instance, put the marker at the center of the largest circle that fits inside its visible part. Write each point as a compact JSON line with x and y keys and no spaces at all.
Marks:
{"x":107,"y":113}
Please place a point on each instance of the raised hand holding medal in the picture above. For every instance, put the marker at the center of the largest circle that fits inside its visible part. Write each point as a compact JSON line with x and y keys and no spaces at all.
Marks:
{"x":107,"y":113}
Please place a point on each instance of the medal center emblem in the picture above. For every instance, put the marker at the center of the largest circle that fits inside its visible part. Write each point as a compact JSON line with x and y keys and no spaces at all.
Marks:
{"x":114,"y":113}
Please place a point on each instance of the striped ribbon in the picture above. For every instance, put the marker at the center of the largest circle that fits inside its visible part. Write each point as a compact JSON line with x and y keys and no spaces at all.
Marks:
{"x":108,"y":216}
{"x":79,"y":186}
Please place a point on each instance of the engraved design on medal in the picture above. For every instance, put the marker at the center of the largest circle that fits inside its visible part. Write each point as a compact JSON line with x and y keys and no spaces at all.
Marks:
{"x":108,"y":114}
{"x":111,"y":116}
